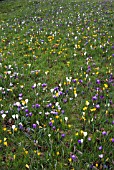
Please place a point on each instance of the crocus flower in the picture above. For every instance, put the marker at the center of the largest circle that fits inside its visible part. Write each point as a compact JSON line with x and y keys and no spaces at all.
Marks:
{"x":80,"y":141}
{"x":63,"y":135}
{"x":104,"y":132}
{"x":97,"y":106}
{"x":44,"y":85}
{"x":37,"y":105}
{"x":73,"y":157}
{"x":101,"y":156}
{"x":98,"y":81}
{"x":94,"y":98}
{"x":34,"y":126}
{"x":100,"y":147}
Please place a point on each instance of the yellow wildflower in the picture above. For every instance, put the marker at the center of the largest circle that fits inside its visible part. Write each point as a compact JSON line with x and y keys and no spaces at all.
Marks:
{"x":39,"y":153}
{"x":57,"y":153}
{"x":5,"y":143}
{"x":87,"y":103}
{"x":85,"y":108}
{"x":106,"y":86}
{"x":92,"y":110}
{"x":27,"y":166}
{"x":70,"y":159}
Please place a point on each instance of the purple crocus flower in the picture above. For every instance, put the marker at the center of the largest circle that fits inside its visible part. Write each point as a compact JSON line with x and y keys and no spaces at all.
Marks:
{"x":80,"y":141}
{"x":112,"y":140}
{"x":100,"y":147}
{"x":97,"y":106}
{"x":74,"y":81}
{"x":104,"y":132}
{"x":20,"y":95}
{"x":44,"y":85}
{"x":27,"y":114}
{"x":30,"y":114}
{"x":26,"y":110}
{"x":98,"y":81}
{"x":62,"y":111}
{"x":89,"y":139}
{"x":81,"y":81}
{"x":54,"y":127}
{"x":50,"y":123}
{"x":73,"y":157}
{"x":37,"y":105}
{"x":63,"y":135}
{"x":20,"y":126}
{"x":94,"y":98}
{"x":34,"y":126}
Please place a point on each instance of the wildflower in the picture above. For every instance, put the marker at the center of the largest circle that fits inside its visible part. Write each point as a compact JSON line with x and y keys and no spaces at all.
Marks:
{"x":39,"y":153}
{"x":4,"y":129}
{"x":13,"y":127}
{"x":89,"y":138}
{"x":34,"y":126}
{"x":85,"y":134}
{"x":76,"y":133}
{"x":94,"y":98}
{"x":80,"y":141}
{"x":87,"y":103}
{"x":57,"y":153}
{"x":98,"y":81}
{"x":70,"y":159}
{"x":44,"y":85}
{"x":92,"y":110}
{"x":97,"y":106}
{"x":37,"y":105}
{"x":5,"y":142}
{"x":14,"y":156}
{"x":66,"y":119}
{"x":0,"y":141}
{"x":73,"y":157}
{"x":3,"y":116}
{"x":26,"y":110}
{"x":106,"y":86}
{"x":100,"y":147}
{"x":27,"y":166}
{"x":104,"y":132}
{"x":96,"y":165}
{"x":63,"y":135}
{"x":101,"y":156}
{"x":85,"y":108}
{"x":26,"y":152}
{"x":112,"y":140}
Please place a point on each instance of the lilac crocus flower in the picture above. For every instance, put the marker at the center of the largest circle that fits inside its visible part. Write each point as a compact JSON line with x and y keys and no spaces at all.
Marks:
{"x":112,"y":140}
{"x":26,"y":110}
{"x":63,"y":135}
{"x":20,"y":95}
{"x":98,"y":81}
{"x":44,"y":85}
{"x":73,"y":157}
{"x":100,"y":147}
{"x":34,"y":126}
{"x":104,"y":133}
{"x":97,"y":106}
{"x":94,"y":98}
{"x":37,"y":105}
{"x":30,"y":114}
{"x":50,"y":123}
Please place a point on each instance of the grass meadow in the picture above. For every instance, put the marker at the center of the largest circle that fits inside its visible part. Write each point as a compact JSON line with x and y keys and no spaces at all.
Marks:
{"x":56,"y":85}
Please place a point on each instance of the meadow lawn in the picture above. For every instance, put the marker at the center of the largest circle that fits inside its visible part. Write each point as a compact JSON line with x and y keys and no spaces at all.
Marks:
{"x":56,"y":85}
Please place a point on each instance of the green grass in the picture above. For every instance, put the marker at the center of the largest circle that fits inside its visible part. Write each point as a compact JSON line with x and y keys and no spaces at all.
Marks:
{"x":56,"y":85}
